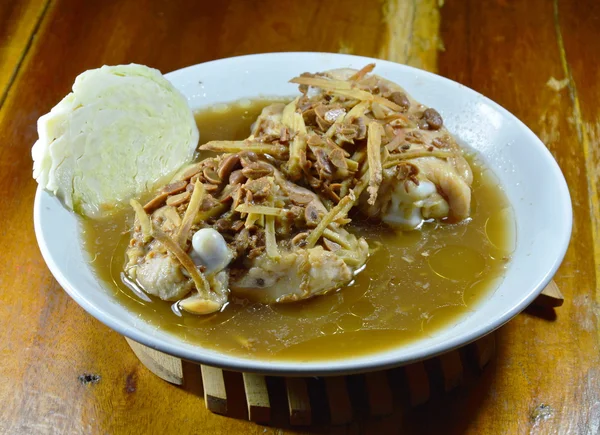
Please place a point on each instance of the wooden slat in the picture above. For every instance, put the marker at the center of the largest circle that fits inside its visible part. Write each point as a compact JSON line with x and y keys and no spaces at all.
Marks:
{"x":192,"y":378}
{"x":583,"y":88}
{"x":215,"y":396}
{"x":164,"y":366}
{"x":418,"y":383}
{"x":550,"y":297}
{"x":340,"y":406}
{"x":298,"y":402}
{"x":381,"y":401}
{"x":408,"y":25}
{"x":257,"y":398}
{"x":484,"y":349}
{"x":18,"y":21}
{"x":452,"y":369}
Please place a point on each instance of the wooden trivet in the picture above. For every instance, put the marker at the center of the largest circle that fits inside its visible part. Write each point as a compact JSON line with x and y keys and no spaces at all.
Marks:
{"x":339,"y":397}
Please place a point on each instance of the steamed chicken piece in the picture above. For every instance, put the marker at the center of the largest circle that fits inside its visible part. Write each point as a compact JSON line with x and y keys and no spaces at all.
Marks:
{"x":420,"y":189}
{"x":296,"y":272}
{"x":422,"y":173}
{"x":158,"y":257}
{"x":156,"y":271}
{"x":300,"y":273}
{"x":268,"y":124}
{"x":260,"y":227}
{"x":448,"y":181}
{"x":161,"y":274}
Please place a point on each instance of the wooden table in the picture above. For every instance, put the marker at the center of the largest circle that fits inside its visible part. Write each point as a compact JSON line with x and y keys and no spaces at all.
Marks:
{"x":537,"y":58}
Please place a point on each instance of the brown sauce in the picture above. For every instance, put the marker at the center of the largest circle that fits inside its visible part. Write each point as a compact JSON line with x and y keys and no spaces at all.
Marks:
{"x":414,"y":284}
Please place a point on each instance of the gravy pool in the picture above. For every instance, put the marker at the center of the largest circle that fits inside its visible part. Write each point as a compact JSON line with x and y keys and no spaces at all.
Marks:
{"x":414,"y":284}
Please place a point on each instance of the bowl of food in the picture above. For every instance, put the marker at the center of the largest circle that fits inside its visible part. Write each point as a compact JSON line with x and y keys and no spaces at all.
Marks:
{"x":337,"y":214}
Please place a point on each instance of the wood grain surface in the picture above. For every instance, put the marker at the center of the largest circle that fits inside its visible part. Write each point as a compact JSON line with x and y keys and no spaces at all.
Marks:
{"x":64,"y":372}
{"x":19,"y":21}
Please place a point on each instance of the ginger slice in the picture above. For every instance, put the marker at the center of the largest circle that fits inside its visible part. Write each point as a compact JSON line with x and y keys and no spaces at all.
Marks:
{"x":374,"y":159}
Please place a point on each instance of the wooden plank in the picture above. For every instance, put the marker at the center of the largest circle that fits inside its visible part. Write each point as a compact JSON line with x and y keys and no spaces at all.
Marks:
{"x":381,"y":401}
{"x":583,"y":89}
{"x":550,"y":297}
{"x":164,"y":366}
{"x":452,"y":369}
{"x":257,"y":398}
{"x":215,"y":396}
{"x":418,"y":383}
{"x":484,"y":349}
{"x":298,"y":402}
{"x":412,"y":33}
{"x":340,"y":406}
{"x":18,"y":23}
{"x":192,"y":378}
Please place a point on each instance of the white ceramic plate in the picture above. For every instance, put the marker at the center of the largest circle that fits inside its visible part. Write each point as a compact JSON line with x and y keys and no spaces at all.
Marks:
{"x":531,"y":178}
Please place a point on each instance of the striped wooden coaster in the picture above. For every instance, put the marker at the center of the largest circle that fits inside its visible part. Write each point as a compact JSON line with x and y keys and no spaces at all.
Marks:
{"x":340,"y":397}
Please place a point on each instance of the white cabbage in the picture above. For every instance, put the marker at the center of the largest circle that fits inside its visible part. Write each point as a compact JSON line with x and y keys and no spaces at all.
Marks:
{"x":121,"y":131}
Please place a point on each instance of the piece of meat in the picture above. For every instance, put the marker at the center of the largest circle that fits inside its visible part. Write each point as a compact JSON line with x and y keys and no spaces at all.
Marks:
{"x":154,"y":269}
{"x":162,"y":267}
{"x":269,"y":124}
{"x":452,"y":186}
{"x":434,"y":191}
{"x":161,"y":275}
{"x":441,"y":186}
{"x":462,"y":168}
{"x":299,"y":274}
